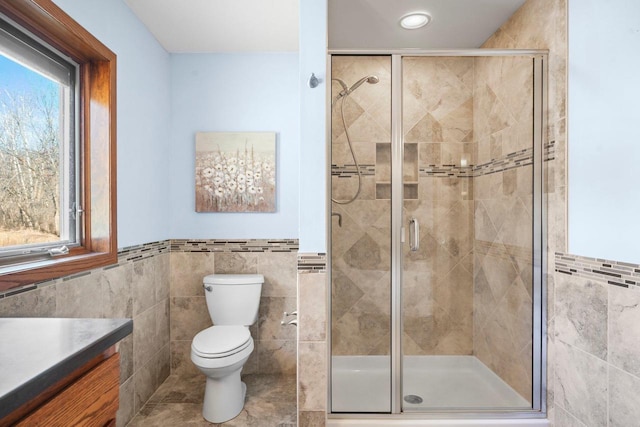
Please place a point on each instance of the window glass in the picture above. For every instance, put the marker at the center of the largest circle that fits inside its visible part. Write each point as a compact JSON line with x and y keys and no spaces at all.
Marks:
{"x":38,"y":167}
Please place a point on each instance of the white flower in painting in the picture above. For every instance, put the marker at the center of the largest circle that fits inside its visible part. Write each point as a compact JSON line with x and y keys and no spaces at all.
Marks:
{"x":241,"y":162}
{"x":218,"y":180}
{"x":266,"y":167}
{"x":241,"y":179}
{"x":261,"y":199}
{"x":249,"y":174}
{"x":232,"y":168}
{"x":241,"y":188}
{"x":257,"y":175}
{"x":207,"y":187}
{"x":217,"y":159}
{"x":251,"y":189}
{"x":232,"y":185}
{"x":219,"y":192}
{"x":259,"y":190}
{"x":249,"y":182}
{"x":233,"y":161}
{"x":207,"y":172}
{"x":218,"y":166}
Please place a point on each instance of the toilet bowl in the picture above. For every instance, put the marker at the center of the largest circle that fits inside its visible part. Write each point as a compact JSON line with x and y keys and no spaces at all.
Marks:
{"x":221,"y":351}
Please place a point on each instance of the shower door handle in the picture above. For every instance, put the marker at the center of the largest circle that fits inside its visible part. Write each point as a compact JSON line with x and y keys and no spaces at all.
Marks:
{"x":414,"y":235}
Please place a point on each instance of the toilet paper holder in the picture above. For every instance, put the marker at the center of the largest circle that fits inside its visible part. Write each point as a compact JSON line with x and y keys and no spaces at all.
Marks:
{"x":285,"y":315}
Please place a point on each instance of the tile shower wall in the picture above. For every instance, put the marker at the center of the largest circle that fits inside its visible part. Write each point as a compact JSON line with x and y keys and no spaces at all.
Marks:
{"x":137,"y":287}
{"x":541,"y":24}
{"x":191,"y":260}
{"x":361,"y":245}
{"x":312,"y":339}
{"x":438,"y":191}
{"x":502,"y":304}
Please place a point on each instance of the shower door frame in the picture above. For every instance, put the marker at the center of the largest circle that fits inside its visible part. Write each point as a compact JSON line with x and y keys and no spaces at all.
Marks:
{"x":539,"y":255}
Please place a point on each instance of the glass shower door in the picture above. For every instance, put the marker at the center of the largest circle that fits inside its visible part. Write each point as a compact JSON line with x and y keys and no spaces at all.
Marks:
{"x":360,"y":233}
{"x":468,"y":219}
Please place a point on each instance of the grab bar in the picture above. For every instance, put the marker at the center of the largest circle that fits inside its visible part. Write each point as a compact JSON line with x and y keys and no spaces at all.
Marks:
{"x":414,"y":235}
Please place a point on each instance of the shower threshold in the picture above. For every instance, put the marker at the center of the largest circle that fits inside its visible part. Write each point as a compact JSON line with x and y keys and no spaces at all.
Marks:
{"x":430,"y":383}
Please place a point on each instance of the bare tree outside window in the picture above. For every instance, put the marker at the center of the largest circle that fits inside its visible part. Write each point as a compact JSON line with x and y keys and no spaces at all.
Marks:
{"x":30,"y":156}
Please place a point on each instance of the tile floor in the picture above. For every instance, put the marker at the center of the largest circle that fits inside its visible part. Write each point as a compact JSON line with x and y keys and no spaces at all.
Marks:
{"x":270,"y":402}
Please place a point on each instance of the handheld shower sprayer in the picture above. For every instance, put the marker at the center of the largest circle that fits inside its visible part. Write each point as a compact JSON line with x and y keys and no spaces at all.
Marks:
{"x":342,"y":96}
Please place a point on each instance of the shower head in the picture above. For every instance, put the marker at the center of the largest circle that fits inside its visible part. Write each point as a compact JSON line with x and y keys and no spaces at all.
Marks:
{"x":369,"y":79}
{"x":346,"y":91}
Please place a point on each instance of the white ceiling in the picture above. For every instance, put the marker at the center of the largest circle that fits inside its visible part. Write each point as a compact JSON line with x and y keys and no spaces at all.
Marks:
{"x":273,"y":25}
{"x":374,"y":24}
{"x":221,"y":25}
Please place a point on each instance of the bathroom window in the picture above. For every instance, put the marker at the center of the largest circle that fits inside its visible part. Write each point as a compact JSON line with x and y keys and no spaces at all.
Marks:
{"x":40,"y":213}
{"x":57,"y":146}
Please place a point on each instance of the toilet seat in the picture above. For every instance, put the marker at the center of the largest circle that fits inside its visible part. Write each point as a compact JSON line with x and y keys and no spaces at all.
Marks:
{"x":221,"y":341}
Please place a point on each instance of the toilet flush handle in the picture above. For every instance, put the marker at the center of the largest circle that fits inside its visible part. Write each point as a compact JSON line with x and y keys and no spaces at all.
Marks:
{"x":207,"y":288}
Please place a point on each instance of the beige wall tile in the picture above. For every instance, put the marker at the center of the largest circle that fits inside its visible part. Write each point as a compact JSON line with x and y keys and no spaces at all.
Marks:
{"x":581,"y":384}
{"x":312,"y":308}
{"x":276,"y":356}
{"x":37,"y":303}
{"x":624,"y":398}
{"x":280,"y":274}
{"x":181,"y":363}
{"x":80,"y":297}
{"x":188,"y":270}
{"x":189,"y":315}
{"x":312,"y":376}
{"x":312,"y":419}
{"x":624,"y":329}
{"x":236,"y":263}
{"x":581,"y":314}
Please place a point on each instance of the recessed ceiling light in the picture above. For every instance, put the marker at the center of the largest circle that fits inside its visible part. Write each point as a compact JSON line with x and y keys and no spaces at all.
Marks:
{"x":414,"y":20}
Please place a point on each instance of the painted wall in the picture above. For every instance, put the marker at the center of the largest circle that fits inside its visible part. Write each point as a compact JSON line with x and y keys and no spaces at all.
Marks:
{"x":604,"y":40}
{"x":313,"y":132}
{"x":233,"y":92}
{"x":143,"y":117}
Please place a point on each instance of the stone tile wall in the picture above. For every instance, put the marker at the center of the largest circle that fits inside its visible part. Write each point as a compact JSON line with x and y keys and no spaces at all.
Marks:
{"x":313,"y":296}
{"x":503,"y":129}
{"x":542,"y":24}
{"x":438,"y":135}
{"x":597,"y":343}
{"x":190,"y":261}
{"x":137,"y":287}
{"x":361,"y":245}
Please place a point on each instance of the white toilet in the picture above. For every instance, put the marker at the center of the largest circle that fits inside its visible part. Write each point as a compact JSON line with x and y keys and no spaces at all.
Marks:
{"x":221,"y":351}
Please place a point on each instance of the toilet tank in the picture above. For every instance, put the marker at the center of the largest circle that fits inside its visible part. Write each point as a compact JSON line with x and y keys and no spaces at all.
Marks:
{"x":233,"y":299}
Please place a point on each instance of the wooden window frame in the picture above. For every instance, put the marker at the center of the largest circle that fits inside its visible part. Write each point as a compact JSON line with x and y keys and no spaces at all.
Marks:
{"x":97,"y":132}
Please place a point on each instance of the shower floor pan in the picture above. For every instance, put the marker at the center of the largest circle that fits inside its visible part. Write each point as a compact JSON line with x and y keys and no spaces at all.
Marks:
{"x":432,"y":383}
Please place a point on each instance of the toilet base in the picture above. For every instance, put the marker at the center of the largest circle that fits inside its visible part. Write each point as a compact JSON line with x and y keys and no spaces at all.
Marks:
{"x":224,"y":397}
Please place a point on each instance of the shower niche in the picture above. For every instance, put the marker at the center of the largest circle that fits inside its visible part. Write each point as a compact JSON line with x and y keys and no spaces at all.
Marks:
{"x":436,"y":285}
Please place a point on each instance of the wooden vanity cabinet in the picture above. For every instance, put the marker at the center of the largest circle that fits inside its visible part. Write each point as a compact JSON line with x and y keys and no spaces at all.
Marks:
{"x":87,"y":397}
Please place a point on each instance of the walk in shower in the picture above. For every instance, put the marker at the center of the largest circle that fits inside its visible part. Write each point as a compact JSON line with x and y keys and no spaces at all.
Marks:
{"x":436,"y":242}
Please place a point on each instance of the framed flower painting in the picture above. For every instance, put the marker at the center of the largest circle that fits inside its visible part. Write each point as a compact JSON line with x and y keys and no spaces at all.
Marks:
{"x":235,"y":172}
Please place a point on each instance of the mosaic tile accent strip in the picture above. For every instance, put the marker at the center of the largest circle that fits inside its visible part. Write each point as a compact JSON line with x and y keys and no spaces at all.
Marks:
{"x":312,"y":263}
{"x":348,"y":171}
{"x":617,"y":273}
{"x":239,"y":245}
{"x":510,"y":161}
{"x":126,"y":255}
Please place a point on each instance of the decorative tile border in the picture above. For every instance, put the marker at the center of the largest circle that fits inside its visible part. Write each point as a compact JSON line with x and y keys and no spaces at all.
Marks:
{"x":348,"y":171}
{"x":510,"y":161}
{"x":617,"y":273}
{"x":312,"y":263}
{"x":239,"y":245}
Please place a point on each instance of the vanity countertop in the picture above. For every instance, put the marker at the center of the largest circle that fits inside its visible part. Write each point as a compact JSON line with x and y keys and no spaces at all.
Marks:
{"x":36,"y":353}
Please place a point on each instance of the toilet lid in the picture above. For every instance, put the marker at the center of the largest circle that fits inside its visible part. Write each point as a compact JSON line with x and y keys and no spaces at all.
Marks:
{"x":220,"y":341}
